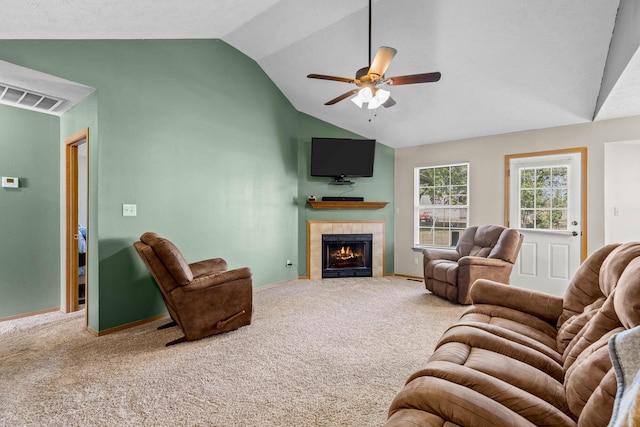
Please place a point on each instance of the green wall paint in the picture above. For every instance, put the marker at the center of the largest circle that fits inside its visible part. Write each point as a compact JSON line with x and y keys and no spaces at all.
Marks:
{"x":214,"y":156}
{"x":378,"y":188}
{"x":29,"y":239}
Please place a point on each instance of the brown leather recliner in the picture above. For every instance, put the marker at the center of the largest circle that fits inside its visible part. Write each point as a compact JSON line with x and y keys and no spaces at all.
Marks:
{"x":483,"y":252}
{"x":203,"y":298}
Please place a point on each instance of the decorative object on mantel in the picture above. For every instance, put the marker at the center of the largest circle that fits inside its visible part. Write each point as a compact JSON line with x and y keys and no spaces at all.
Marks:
{"x":348,"y":205}
{"x":311,"y":198}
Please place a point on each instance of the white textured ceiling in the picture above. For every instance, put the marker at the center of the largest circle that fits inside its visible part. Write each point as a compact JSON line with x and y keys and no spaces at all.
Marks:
{"x":507,"y":65}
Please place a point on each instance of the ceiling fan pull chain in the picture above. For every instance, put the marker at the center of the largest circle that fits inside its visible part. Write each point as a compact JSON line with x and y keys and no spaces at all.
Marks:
{"x":372,"y":114}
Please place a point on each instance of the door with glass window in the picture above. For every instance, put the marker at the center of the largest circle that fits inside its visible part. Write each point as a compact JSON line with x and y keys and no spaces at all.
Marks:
{"x":545,"y":203}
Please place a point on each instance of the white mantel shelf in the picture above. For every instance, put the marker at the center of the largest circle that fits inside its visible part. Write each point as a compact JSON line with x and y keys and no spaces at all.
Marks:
{"x":348,"y":205}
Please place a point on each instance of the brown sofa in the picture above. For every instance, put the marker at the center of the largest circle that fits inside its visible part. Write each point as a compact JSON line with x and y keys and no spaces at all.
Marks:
{"x":483,"y":252}
{"x":203,"y":298}
{"x":523,"y":358}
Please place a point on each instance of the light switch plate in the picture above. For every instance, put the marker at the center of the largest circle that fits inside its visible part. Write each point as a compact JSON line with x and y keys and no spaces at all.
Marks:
{"x":128,"y":210}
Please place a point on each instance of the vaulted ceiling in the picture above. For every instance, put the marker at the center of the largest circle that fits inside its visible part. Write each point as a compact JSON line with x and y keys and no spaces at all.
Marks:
{"x":507,"y":65}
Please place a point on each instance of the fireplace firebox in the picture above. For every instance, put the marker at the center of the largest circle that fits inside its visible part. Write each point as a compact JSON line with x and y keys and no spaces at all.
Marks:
{"x":346,"y":255}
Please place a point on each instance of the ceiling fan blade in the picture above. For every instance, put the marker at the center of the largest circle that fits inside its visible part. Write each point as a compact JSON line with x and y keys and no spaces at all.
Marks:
{"x":341,"y":97}
{"x":381,"y":61}
{"x":389,"y":103}
{"x":333,"y":78}
{"x":413,"y":78}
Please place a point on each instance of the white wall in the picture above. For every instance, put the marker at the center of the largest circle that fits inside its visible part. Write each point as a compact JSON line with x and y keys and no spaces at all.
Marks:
{"x":486,"y":158}
{"x":621,"y":198}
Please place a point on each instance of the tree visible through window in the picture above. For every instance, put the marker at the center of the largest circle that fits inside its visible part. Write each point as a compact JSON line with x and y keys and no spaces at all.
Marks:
{"x":442,"y":204}
{"x":543,"y":198}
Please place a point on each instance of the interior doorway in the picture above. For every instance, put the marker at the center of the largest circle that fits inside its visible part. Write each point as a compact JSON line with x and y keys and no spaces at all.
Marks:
{"x":621,"y":179}
{"x":76,"y":221}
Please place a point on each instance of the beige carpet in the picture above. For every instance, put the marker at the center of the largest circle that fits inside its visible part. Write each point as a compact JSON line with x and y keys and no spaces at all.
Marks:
{"x":318,"y":353}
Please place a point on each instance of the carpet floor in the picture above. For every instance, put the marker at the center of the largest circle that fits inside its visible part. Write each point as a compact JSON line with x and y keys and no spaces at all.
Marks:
{"x":318,"y":353}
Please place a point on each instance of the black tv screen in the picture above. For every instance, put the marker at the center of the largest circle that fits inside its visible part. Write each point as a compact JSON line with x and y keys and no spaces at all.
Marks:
{"x":342,"y":157}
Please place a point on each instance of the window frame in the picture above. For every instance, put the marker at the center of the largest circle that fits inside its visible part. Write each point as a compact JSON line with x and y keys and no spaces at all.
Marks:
{"x":417,"y":207}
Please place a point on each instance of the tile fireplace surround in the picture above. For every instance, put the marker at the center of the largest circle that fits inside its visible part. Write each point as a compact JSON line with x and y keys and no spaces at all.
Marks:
{"x":315,"y":230}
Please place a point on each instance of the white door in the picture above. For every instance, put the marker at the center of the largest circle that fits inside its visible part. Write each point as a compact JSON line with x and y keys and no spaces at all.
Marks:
{"x":545,"y":205}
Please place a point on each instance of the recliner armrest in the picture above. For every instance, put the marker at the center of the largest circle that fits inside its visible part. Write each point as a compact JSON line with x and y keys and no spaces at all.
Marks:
{"x":440,"y":253}
{"x":208,"y":266}
{"x":477,"y":260}
{"x":215,"y":279}
{"x":543,"y":306}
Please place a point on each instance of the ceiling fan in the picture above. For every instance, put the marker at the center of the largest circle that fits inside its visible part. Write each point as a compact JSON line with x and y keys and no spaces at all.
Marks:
{"x":369,"y":78}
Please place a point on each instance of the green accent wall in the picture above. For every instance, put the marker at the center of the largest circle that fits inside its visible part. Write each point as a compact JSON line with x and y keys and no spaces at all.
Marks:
{"x":29,"y":238}
{"x":201,"y":140}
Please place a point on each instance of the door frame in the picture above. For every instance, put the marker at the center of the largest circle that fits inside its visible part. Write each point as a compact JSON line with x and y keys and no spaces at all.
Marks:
{"x":71,"y":221}
{"x":583,"y":187}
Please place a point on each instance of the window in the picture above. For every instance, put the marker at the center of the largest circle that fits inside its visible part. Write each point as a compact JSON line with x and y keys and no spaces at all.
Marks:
{"x":442,"y":204}
{"x":543,"y":198}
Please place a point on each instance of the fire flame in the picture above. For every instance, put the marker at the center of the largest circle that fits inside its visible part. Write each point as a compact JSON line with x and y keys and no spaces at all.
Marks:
{"x":344,"y":253}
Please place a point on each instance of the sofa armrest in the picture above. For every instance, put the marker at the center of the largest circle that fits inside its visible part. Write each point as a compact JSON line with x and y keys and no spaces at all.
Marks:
{"x":543,"y":306}
{"x":208,"y":266}
{"x":440,"y":253}
{"x":216,"y":279}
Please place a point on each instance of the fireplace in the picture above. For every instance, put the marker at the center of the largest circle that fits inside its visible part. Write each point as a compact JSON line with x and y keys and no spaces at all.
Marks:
{"x":346,"y":255}
{"x":316,"y":228}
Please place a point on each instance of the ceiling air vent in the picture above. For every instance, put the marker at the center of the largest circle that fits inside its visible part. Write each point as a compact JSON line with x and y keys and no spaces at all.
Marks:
{"x":30,"y":100}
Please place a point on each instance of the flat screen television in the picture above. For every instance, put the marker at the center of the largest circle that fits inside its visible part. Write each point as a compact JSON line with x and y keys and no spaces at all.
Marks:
{"x":340,"y":158}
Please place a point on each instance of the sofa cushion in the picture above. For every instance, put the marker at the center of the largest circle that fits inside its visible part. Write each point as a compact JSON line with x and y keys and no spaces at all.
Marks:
{"x":462,"y":390}
{"x":584,"y":288}
{"x":511,"y":321}
{"x":627,"y":295}
{"x":480,"y":339}
{"x":613,"y":267}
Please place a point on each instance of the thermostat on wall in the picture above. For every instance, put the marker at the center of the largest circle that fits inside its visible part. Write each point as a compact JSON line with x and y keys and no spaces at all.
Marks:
{"x":10,"y":182}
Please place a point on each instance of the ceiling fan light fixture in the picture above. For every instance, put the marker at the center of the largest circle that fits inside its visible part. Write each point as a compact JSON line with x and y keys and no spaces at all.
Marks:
{"x":379,"y":98}
{"x":374,"y":103}
{"x":365,"y":94}
{"x":356,"y":100}
{"x":382,"y":95}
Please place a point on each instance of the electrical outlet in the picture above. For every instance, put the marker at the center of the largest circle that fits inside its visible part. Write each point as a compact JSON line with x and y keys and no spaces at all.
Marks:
{"x":416,"y":261}
{"x":289,"y":263}
{"x":128,"y":210}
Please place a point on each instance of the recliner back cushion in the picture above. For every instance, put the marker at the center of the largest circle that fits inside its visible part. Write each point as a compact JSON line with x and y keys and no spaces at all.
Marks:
{"x":507,"y":246}
{"x":479,"y":240}
{"x":170,"y":256}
